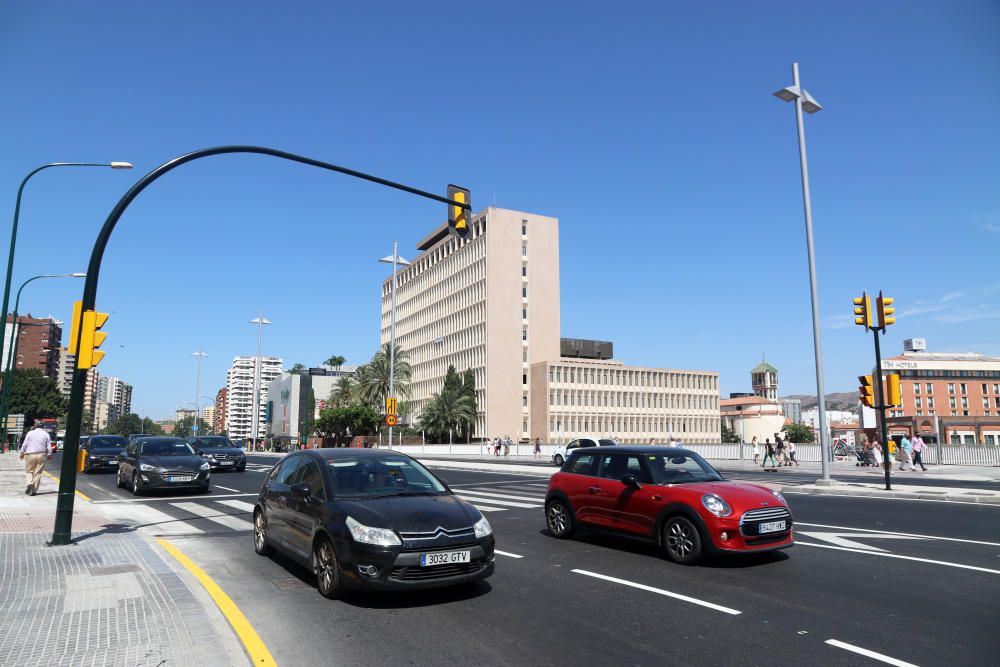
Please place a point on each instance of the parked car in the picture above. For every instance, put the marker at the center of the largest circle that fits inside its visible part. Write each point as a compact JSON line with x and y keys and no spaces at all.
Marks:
{"x":672,"y":497}
{"x":370,"y":519}
{"x":101,"y":452}
{"x":160,"y":462}
{"x":220,"y":452}
{"x":562,"y":452}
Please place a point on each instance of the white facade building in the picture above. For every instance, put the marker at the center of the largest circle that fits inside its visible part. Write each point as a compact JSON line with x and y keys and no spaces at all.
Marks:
{"x":239,"y":386}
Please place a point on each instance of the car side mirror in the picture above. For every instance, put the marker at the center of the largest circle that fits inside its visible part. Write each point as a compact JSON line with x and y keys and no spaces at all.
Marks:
{"x":630,"y":481}
{"x":302,"y":490}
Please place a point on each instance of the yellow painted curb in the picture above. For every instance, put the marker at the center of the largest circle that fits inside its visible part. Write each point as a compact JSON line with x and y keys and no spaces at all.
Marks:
{"x":56,"y":480}
{"x":259,"y":654}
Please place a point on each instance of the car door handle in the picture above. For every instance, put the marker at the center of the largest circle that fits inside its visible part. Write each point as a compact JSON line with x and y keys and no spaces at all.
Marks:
{"x":594,"y":489}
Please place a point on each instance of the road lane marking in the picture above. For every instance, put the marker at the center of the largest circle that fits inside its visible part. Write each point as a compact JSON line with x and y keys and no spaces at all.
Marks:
{"x":660,"y":591}
{"x":901,"y":557}
{"x":511,"y":481}
{"x":840,"y":539}
{"x":869,"y":654}
{"x":892,"y":532}
{"x":505,"y":553}
{"x":212,"y":515}
{"x":172,"y":498}
{"x":259,"y":654}
{"x":496,"y":501}
{"x":148,"y":519}
{"x":238,"y":504}
{"x":226,"y":488}
{"x":905,"y":500}
{"x":487,"y":508}
{"x":56,"y":480}
{"x":530,"y":499}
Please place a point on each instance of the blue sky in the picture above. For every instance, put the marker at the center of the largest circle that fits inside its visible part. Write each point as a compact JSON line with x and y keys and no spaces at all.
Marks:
{"x":648,"y":129}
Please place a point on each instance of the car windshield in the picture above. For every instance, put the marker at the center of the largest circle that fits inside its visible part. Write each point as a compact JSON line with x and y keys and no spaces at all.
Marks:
{"x":167,"y":448}
{"x":215,"y":441}
{"x":107,"y":442}
{"x":372,"y":477}
{"x":605,"y":443}
{"x":686,"y":469}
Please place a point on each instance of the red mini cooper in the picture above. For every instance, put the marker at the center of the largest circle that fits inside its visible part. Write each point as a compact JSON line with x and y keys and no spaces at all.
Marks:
{"x":666,"y":494}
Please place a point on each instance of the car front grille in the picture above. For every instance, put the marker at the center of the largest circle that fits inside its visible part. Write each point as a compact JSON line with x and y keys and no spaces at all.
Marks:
{"x":227,"y":457}
{"x":417,"y":573}
{"x":437,"y":534}
{"x":751,"y":520}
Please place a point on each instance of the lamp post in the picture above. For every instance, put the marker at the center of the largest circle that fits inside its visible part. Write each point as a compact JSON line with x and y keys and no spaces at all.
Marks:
{"x":394,"y":259}
{"x":260,"y":321}
{"x":805,"y":102}
{"x":197,"y":391}
{"x":12,"y":352}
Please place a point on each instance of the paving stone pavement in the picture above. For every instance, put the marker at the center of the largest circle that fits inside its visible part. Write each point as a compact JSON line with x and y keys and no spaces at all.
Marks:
{"x":110,"y":598}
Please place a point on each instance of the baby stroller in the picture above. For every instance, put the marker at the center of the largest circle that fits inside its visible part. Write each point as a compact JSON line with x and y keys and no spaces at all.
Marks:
{"x":866,"y":457}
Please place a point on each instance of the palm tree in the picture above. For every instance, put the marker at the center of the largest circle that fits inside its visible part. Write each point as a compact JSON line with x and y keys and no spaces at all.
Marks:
{"x":343,"y":392}
{"x":373,"y":378}
{"x":335,"y":362}
{"x":448,"y":410}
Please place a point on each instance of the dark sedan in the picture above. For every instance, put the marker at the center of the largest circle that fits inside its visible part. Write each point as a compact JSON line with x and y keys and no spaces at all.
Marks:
{"x":220,"y":452}
{"x":161,"y":463}
{"x":370,"y":519}
{"x":101,"y":452}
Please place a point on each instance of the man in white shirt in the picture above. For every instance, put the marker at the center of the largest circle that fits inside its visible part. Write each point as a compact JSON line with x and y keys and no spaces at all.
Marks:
{"x":34,"y":451}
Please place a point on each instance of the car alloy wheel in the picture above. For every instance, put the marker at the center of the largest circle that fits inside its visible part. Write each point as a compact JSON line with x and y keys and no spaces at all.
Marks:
{"x":559,"y":460}
{"x":326,"y":569}
{"x":136,"y":484}
{"x":119,"y":482}
{"x":681,"y":540}
{"x":260,"y":544}
{"x":558,"y":519}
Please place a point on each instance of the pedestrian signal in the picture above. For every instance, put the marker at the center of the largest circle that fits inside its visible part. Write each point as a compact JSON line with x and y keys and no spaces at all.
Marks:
{"x":863,"y":311}
{"x":458,"y":216}
{"x":91,"y":338}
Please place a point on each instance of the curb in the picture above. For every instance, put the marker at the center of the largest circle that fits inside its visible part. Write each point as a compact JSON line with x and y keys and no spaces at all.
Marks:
{"x":946,"y":496}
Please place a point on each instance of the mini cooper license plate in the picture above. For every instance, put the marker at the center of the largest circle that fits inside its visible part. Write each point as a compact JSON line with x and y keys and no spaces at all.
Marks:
{"x":444,"y":558}
{"x":771,"y":527}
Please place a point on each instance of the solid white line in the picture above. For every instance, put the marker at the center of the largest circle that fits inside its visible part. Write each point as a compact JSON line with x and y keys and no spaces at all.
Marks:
{"x":905,"y":500}
{"x":869,"y":654}
{"x":678,"y":596}
{"x":171,"y":498}
{"x":226,"y":488}
{"x":212,"y":515}
{"x":238,"y":504}
{"x":888,"y":555}
{"x":530,"y":499}
{"x":890,"y":532}
{"x":504,"y":553}
{"x":494,"y":501}
{"x":487,"y":508}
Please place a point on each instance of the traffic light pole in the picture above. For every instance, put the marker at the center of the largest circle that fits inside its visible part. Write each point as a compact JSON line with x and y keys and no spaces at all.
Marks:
{"x":67,"y":479}
{"x":881,"y":406}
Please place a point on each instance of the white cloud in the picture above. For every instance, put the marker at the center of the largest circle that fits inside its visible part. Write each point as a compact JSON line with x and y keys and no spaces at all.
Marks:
{"x":950,"y":296}
{"x":969,"y":315}
{"x":838,"y":321}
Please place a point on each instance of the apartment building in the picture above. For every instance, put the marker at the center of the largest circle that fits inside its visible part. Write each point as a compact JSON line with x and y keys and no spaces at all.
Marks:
{"x":115,"y":391}
{"x":219,"y":422}
{"x":240,"y":394}
{"x":38,"y":343}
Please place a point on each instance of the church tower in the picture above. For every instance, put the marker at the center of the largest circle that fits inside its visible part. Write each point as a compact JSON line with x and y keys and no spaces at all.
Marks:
{"x":764,"y":379}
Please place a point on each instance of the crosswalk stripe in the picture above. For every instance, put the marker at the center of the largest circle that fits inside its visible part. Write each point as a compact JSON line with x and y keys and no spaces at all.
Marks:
{"x":493,"y":494}
{"x":492,"y":501}
{"x":521,"y":489}
{"x":487,"y":508}
{"x":238,"y":504}
{"x":213,"y":515}
{"x":149,"y":520}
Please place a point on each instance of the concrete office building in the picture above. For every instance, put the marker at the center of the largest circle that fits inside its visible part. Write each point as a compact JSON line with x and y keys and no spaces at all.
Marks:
{"x":288,"y":398}
{"x":792,"y":408}
{"x":38,"y":343}
{"x":240,"y":398}
{"x":490,"y":303}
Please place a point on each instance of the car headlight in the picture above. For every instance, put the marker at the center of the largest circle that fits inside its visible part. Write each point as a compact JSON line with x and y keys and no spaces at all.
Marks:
{"x":483,"y":528}
{"x":779,"y":497}
{"x":145,"y":467}
{"x":205,"y":466}
{"x":381,"y":537}
{"x":716,"y":505}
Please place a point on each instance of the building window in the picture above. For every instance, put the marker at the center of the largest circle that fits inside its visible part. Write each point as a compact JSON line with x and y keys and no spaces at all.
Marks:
{"x":524,"y":378}
{"x":524,"y":313}
{"x":952,"y":403}
{"x":524,"y":271}
{"x":524,"y":355}
{"x":996,"y":401}
{"x":951,"y":388}
{"x":996,"y":389}
{"x":930,"y":389}
{"x":916,"y":388}
{"x":524,"y":400}
{"x":986,"y":402}
{"x":965,"y":402}
{"x":524,"y":292}
{"x":524,"y":334}
{"x":524,"y":250}
{"x":917,"y":402}
{"x":985,"y":387}
{"x":963,"y":388}
{"x":524,"y":227}
{"x":930,"y":402}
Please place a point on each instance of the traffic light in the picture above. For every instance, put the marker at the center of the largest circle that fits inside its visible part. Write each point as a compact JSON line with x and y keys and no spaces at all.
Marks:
{"x":893,"y":397}
{"x":863,"y":311}
{"x":866,"y":390}
{"x":74,"y":326}
{"x":885,"y":311}
{"x":91,"y":338}
{"x":458,"y":216}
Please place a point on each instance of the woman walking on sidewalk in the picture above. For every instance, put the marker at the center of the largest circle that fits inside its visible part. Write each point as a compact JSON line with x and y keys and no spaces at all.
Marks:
{"x":918,"y":449}
{"x":756,"y":449}
{"x":791,"y":453}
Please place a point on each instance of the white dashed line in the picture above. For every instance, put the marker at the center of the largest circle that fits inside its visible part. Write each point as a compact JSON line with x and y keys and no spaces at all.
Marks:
{"x":226,"y":488}
{"x":508,"y":555}
{"x":870,"y":654}
{"x":213,"y":515}
{"x":901,"y":557}
{"x":660,"y":591}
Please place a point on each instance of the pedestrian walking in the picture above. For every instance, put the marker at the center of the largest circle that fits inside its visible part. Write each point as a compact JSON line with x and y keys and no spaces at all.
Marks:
{"x":791,"y":453}
{"x":538,"y":447}
{"x":877,"y":452}
{"x":34,"y":451}
{"x":756,"y":450}
{"x":906,"y":454}
{"x":779,"y":449}
{"x":918,"y":450}
{"x":768,"y":453}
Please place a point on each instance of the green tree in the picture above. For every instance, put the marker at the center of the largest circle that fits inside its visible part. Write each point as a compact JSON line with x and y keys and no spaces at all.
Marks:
{"x":125,"y":425}
{"x":343,"y":393}
{"x":452,"y":381}
{"x":335,"y":361}
{"x":297,"y":369}
{"x":447,"y":413}
{"x":351,"y":420}
{"x":184,"y":427}
{"x":469,"y":389}
{"x":798,"y":433}
{"x":35,"y":396}
{"x":309,"y":423}
{"x":373,"y":378}
{"x":728,"y":435}
{"x":149,"y":427}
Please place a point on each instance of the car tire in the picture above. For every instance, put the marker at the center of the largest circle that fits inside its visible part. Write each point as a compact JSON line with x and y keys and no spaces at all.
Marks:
{"x":326,"y":568}
{"x":559,"y":519}
{"x":681,"y":540}
{"x":119,"y":482}
{"x":260,"y":543}
{"x":559,"y":460}
{"x":136,"y":484}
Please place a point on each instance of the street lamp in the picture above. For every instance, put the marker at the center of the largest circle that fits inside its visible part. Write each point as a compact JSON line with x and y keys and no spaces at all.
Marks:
{"x":12,"y":353}
{"x":393,"y":259}
{"x":260,"y":321}
{"x":17,"y":214}
{"x":197,"y":390}
{"x":805,"y":102}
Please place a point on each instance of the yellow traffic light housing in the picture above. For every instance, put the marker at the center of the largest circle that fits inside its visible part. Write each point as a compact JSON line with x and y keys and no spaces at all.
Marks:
{"x":458,"y":216}
{"x":74,"y":327}
{"x":886,"y":313}
{"x":863,"y":311}
{"x":893,"y":396}
{"x":866,"y":390}
{"x":91,"y":338}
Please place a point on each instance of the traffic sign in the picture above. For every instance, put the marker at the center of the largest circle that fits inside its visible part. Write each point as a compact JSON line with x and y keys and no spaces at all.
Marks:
{"x":390,"y":420}
{"x":390,"y":405}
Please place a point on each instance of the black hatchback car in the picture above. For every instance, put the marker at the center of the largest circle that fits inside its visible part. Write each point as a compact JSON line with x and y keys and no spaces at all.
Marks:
{"x":161,"y":463}
{"x":369,"y":519}
{"x":220,"y":452}
{"x":101,"y":452}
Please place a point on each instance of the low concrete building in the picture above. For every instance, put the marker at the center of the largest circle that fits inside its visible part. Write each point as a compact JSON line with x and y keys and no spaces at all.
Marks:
{"x":751,"y":416}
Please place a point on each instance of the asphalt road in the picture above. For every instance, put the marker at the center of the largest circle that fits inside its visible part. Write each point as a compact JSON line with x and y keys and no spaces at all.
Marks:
{"x":917,"y":582}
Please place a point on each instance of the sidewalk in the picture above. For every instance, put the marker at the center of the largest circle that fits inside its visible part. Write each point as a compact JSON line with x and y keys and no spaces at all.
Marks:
{"x":110,"y":598}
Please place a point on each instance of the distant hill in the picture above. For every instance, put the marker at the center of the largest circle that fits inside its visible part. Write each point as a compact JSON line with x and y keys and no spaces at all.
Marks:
{"x":844,"y":400}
